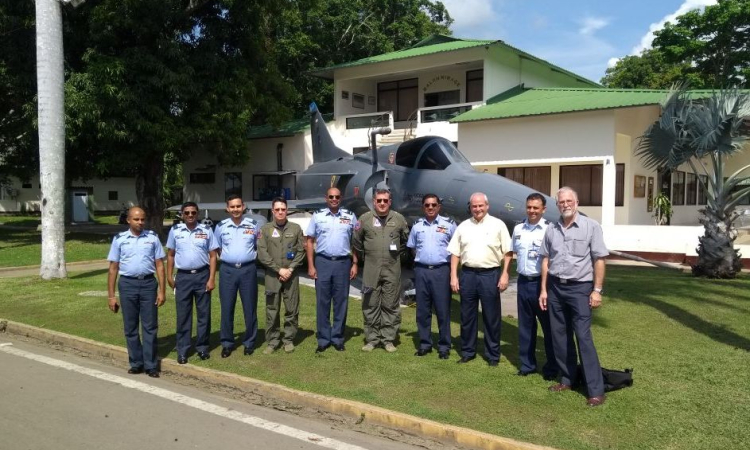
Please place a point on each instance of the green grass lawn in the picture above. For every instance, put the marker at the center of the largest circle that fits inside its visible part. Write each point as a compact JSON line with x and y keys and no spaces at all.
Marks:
{"x":687,"y":339}
{"x":24,"y":247}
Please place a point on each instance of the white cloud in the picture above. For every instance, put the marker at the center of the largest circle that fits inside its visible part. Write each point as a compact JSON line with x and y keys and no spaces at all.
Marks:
{"x":473,"y":17}
{"x":591,"y":24}
{"x":686,"y":6}
{"x":612,"y":62}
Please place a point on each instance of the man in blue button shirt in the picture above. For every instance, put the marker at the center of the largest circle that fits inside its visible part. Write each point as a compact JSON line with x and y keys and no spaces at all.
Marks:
{"x":527,"y":240}
{"x":237,"y":238}
{"x":429,"y":239}
{"x":136,"y":254}
{"x":192,"y":249}
{"x":330,"y":264}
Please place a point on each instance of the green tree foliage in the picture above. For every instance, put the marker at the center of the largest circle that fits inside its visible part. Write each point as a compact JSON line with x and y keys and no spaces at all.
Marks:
{"x":18,"y":138}
{"x":320,"y":33}
{"x":707,"y":49}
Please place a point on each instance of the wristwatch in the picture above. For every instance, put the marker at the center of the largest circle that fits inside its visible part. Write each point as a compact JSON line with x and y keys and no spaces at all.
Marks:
{"x":599,"y":291}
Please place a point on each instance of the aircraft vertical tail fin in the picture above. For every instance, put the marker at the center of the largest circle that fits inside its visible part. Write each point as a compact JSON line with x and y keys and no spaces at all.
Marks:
{"x":324,"y":148}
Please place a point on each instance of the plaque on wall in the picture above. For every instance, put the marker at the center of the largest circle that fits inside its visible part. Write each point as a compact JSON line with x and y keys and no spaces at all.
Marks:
{"x":358,"y":101}
{"x":650,"y":196}
{"x":639,"y":186}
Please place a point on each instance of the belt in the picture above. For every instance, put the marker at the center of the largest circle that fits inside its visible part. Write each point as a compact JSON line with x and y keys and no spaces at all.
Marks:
{"x":238,"y":265}
{"x":139,"y":277}
{"x":333,"y":258}
{"x":479,"y":269}
{"x":528,"y":278}
{"x":198,"y":270}
{"x":430,"y":266}
{"x":567,"y":281}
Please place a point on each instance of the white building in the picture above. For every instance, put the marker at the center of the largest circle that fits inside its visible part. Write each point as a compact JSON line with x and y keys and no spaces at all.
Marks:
{"x":509,"y":113}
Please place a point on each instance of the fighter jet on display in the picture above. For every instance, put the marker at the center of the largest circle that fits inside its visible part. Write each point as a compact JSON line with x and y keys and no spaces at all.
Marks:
{"x":409,"y":170}
{"x":429,"y":164}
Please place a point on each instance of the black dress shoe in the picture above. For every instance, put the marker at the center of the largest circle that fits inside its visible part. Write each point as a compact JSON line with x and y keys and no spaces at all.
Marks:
{"x":225,"y":352}
{"x":492,"y":363}
{"x":248,"y":351}
{"x":465,"y":359}
{"x":204,"y":355}
{"x":135,"y":370}
{"x":321,"y":348}
{"x":181,"y":359}
{"x":339,"y":347}
{"x":153,"y":373}
{"x":423,"y":351}
{"x":550,"y":377}
{"x":524,"y":373}
{"x":443,"y":355}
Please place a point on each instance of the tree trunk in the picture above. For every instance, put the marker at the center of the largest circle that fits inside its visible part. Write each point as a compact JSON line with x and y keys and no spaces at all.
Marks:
{"x":717,"y":257}
{"x":148,"y":188}
{"x":50,"y":88}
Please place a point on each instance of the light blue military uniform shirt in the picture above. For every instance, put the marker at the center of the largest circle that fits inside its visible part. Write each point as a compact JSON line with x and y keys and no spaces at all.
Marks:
{"x":136,"y":254}
{"x":527,"y":241}
{"x":332,"y":232}
{"x":237,"y":242}
{"x":191,"y":246}
{"x":430,"y":240}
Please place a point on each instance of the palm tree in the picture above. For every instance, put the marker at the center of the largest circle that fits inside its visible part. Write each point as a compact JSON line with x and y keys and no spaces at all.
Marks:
{"x":703,"y":130}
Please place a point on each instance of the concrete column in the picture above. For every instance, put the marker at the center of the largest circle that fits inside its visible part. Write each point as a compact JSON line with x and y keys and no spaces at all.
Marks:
{"x":609,"y":182}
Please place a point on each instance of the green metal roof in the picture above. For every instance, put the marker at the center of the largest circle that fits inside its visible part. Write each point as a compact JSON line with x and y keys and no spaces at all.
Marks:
{"x":287,"y":129}
{"x":438,"y":44}
{"x":541,"y":101}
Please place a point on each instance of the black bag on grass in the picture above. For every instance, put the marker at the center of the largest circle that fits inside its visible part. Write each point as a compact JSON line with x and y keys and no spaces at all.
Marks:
{"x":617,"y":379}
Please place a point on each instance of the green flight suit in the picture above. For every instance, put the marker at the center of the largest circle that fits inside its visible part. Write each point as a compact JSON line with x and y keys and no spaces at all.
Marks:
{"x":281,"y":247}
{"x":380,"y":244}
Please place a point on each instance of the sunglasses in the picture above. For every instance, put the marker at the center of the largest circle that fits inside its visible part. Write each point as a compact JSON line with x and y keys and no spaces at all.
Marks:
{"x":190,"y":213}
{"x":334,"y":197}
{"x":430,"y":205}
{"x":382,"y":200}
{"x":279,"y":209}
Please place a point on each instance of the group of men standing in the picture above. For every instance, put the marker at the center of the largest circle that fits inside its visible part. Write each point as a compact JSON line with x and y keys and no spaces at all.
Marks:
{"x":560,"y":278}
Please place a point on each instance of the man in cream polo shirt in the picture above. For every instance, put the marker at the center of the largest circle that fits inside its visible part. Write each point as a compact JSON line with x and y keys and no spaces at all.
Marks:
{"x":479,"y":245}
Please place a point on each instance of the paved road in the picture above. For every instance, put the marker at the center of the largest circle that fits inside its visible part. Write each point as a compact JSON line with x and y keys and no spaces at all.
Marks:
{"x":56,"y":400}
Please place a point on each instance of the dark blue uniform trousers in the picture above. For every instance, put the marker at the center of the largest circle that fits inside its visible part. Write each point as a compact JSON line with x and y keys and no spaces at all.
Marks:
{"x":528,"y":313}
{"x":570,"y":314}
{"x":245,"y":281}
{"x":138,"y":301}
{"x":433,"y":288}
{"x":480,"y":285}
{"x":332,"y":285}
{"x":191,"y":287}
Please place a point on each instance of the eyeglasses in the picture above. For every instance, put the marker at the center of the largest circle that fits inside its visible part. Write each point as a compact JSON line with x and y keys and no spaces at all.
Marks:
{"x":279,"y":209}
{"x":430,"y":205}
{"x":334,"y":197}
{"x":382,"y":200}
{"x":190,"y":213}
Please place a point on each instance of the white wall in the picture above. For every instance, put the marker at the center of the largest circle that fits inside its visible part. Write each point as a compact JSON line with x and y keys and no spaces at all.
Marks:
{"x":29,"y":199}
{"x":366,"y":87}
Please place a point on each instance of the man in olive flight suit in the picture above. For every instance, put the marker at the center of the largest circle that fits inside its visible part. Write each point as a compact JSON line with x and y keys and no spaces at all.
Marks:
{"x":281,"y":250}
{"x":379,"y":240}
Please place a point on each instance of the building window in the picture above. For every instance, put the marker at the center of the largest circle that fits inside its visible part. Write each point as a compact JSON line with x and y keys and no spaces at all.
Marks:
{"x":202,"y":178}
{"x":702,"y":197}
{"x":475,"y":85}
{"x":232,"y":184}
{"x":691,"y":188}
{"x":266,"y":187}
{"x":112,"y":195}
{"x":678,"y":188}
{"x":401,"y":97}
{"x":587,"y":180}
{"x":537,"y":178}
{"x":442,"y":98}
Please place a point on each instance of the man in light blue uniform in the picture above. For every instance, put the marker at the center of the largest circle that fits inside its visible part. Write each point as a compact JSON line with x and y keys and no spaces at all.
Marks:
{"x":136,"y":254}
{"x":192,"y":250}
{"x":331,"y":264}
{"x":237,"y":238}
{"x":527,"y":240}
{"x":429,"y":239}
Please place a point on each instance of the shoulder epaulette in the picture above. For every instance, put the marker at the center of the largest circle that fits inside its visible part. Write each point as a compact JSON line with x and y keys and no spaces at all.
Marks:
{"x":345,"y":211}
{"x":123,"y":233}
{"x":321,"y":210}
{"x":224,"y":221}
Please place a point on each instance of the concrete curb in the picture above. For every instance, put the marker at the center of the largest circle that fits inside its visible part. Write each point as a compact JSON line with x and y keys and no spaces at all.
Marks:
{"x":373,"y":414}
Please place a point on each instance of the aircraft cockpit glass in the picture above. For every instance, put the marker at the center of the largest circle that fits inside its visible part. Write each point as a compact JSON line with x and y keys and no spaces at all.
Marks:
{"x":433,"y":157}
{"x":408,"y":152}
{"x":453,"y":152}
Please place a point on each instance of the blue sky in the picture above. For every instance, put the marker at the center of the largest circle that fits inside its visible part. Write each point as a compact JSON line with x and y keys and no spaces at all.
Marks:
{"x":583,"y":36}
